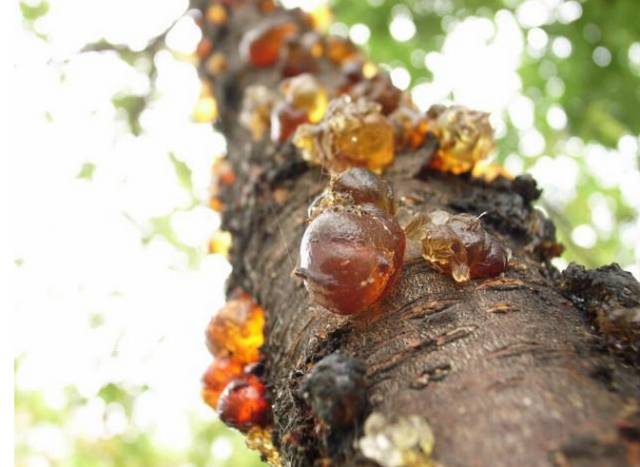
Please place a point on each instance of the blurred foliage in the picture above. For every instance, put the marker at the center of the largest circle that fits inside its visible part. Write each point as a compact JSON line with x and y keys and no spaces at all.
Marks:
{"x":58,"y":431}
{"x":133,"y":106}
{"x":600,"y":102}
{"x":86,"y":171}
{"x":33,"y":12}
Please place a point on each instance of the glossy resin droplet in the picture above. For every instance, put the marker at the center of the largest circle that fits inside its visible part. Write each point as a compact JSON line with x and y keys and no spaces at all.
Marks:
{"x":349,"y":256}
{"x":216,"y":14}
{"x":221,"y":372}
{"x":340,"y":50}
{"x":261,"y":46}
{"x":352,"y":134}
{"x":378,"y":89}
{"x":490,"y":172}
{"x":410,"y":126}
{"x":243,"y":404}
{"x":351,"y":72}
{"x":301,"y":54}
{"x":206,"y":108}
{"x":237,"y":330}
{"x":204,"y":48}
{"x":464,"y":136}
{"x":216,"y":64}
{"x":220,"y":243}
{"x":355,"y":186}
{"x":364,"y":187}
{"x":306,"y":93}
{"x":285,"y":119}
{"x":460,"y":246}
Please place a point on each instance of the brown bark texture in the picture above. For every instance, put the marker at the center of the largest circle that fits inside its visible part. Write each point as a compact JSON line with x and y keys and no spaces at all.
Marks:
{"x":521,"y":369}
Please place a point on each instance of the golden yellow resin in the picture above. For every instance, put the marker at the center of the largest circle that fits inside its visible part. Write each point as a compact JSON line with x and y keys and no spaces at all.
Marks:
{"x":465,"y":137}
{"x":321,"y":18}
{"x":490,"y":171}
{"x":216,"y":14}
{"x":216,"y":63}
{"x":206,"y":108}
{"x":259,"y":439}
{"x":220,"y":243}
{"x":410,"y":125}
{"x":305,"y":92}
{"x":352,"y":134}
{"x":236,"y":330}
{"x":458,"y":245}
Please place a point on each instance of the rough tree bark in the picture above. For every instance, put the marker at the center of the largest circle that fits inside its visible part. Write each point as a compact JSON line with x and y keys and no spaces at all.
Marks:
{"x":524,"y":376}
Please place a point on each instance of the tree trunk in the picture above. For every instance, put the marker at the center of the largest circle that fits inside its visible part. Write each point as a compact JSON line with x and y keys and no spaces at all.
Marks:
{"x":524,"y":377}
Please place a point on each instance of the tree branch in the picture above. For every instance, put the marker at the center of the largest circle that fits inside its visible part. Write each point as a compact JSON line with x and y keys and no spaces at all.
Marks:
{"x":506,"y":370}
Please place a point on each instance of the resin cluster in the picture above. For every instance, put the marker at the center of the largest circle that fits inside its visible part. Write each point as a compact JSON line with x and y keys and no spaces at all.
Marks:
{"x":261,"y":46}
{"x":464,"y":137}
{"x":299,"y":54}
{"x":293,"y":45}
{"x":458,"y":245}
{"x":352,"y":249}
{"x":352,"y":134}
{"x":357,"y":119}
{"x":230,"y":384}
{"x":352,"y":131}
{"x":298,"y":100}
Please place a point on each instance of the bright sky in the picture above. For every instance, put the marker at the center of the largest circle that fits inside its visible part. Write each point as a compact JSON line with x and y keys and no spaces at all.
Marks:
{"x":77,"y":253}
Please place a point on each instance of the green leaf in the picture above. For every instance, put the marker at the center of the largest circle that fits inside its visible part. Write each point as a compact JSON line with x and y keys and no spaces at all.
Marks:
{"x":161,"y":226}
{"x":113,"y":393}
{"x":183,"y":172}
{"x":134,"y":106}
{"x":86,"y":171}
{"x":31,"y":12}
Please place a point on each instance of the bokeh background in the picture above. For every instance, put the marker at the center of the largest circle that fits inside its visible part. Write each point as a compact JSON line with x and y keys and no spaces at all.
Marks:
{"x":111,"y":276}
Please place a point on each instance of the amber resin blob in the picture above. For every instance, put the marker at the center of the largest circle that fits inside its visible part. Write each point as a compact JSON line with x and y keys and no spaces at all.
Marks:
{"x":410,"y":126}
{"x":464,"y":137}
{"x":236,"y":330}
{"x":305,"y":100}
{"x":380,"y":89}
{"x":352,"y":250}
{"x":351,"y":134}
{"x":355,"y":186}
{"x":261,"y":46}
{"x":231,"y":385}
{"x":220,"y":373}
{"x":243,"y":404}
{"x":306,"y":93}
{"x":339,"y":50}
{"x":458,"y":245}
{"x":285,"y":119}
{"x":298,"y":100}
{"x":301,"y":54}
